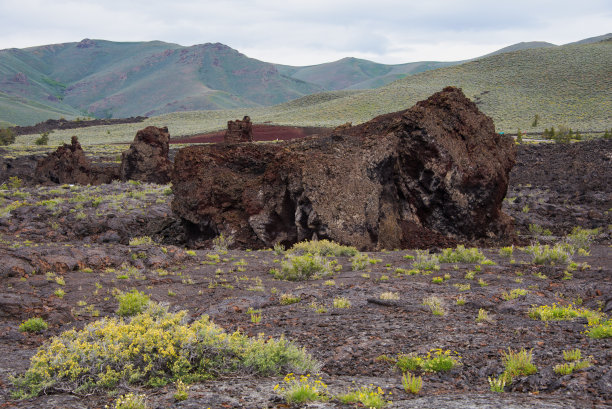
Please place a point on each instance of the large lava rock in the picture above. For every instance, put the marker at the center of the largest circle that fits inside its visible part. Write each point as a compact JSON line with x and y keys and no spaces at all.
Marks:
{"x":68,"y":164}
{"x":147,"y":158}
{"x":435,"y":174}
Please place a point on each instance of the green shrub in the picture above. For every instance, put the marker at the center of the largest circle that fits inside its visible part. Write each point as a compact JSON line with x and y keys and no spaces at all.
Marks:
{"x":544,"y":254}
{"x":222,"y":242}
{"x":411,"y":383}
{"x":323,"y":248}
{"x":7,"y":136}
{"x":300,"y":390}
{"x":43,"y":140}
{"x":515,"y":293}
{"x":436,"y":360}
{"x":131,"y":401}
{"x":425,"y":262}
{"x":518,"y":363}
{"x":306,"y":267}
{"x":461,"y":255}
{"x":154,"y":348}
{"x":368,"y":396}
{"x":142,"y":240}
{"x":581,"y":239}
{"x":602,"y":330}
{"x":563,"y":313}
{"x":132,"y":303}
{"x":33,"y":325}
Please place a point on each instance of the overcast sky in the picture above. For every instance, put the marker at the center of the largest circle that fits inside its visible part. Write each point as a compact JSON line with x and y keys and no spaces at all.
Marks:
{"x":311,"y":31}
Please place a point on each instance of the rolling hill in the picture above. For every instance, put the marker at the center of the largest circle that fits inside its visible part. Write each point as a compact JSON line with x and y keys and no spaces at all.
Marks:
{"x":118,"y":79}
{"x":563,"y":84}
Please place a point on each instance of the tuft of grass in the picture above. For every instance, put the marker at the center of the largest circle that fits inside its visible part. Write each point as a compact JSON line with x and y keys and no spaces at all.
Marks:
{"x":506,"y":251}
{"x":305,"y":267}
{"x":360,"y":261}
{"x":33,"y":325}
{"x":515,"y":293}
{"x":518,"y":363}
{"x":600,"y":331}
{"x":461,"y":255}
{"x":412,"y":383}
{"x":435,"y":304}
{"x":342,"y":302}
{"x":483,"y":316}
{"x":131,"y":401}
{"x":301,"y":390}
{"x":563,"y":313}
{"x":497,"y":384}
{"x":323,"y":248}
{"x":436,"y":360}
{"x":222,"y":242}
{"x":389,"y":295}
{"x":544,"y":254}
{"x":140,"y":241}
{"x":132,"y":303}
{"x":181,"y":393}
{"x":368,"y":396}
{"x":425,"y":262}
{"x":286,"y":299}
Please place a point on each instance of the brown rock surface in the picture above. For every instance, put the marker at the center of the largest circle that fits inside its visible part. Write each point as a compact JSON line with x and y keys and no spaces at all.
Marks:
{"x":68,"y":164}
{"x":147,"y":158}
{"x":434,"y":174}
{"x":239,"y":131}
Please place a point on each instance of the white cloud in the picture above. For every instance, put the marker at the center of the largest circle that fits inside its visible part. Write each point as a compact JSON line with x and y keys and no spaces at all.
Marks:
{"x":301,"y":33}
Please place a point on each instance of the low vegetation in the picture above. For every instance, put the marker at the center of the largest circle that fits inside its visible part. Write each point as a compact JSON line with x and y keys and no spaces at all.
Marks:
{"x":154,"y":348}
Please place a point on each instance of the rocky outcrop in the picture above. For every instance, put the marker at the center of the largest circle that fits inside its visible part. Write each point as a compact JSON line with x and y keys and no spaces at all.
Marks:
{"x":435,"y":174}
{"x":239,"y":131}
{"x":147,"y":158}
{"x":68,"y":164}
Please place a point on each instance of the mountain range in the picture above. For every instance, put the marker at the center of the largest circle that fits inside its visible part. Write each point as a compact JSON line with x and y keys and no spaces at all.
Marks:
{"x":120,"y":79}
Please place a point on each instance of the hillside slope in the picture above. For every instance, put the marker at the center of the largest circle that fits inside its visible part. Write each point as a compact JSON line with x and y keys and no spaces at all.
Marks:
{"x":566,"y":85}
{"x":109,"y":79}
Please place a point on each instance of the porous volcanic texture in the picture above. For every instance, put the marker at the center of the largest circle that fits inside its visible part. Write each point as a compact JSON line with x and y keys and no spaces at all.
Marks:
{"x":147,"y":159}
{"x":435,"y":174}
{"x":560,"y":186}
{"x":68,"y":164}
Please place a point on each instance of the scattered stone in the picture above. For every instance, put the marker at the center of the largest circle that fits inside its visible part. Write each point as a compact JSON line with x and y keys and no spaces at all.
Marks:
{"x":435,"y":174}
{"x":147,"y":159}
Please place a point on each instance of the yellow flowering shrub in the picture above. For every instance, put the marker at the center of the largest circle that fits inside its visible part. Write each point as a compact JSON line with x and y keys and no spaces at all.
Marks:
{"x":155,"y":347}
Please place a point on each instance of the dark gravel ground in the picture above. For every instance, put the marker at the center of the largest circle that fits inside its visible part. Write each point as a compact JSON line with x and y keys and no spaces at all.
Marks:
{"x":89,"y":229}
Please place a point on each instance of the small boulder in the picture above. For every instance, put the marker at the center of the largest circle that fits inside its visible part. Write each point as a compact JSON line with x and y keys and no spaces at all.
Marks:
{"x":147,"y":159}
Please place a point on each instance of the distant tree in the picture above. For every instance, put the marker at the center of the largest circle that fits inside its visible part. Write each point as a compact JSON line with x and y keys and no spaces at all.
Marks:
{"x":7,"y":136}
{"x":43,"y":140}
{"x":519,"y":136}
{"x":536,"y":119}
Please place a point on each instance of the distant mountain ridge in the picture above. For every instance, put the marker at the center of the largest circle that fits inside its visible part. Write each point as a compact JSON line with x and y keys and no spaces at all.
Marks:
{"x":109,"y":79}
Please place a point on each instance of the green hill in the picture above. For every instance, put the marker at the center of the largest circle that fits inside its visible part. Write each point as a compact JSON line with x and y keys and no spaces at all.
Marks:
{"x":566,"y":85}
{"x":111,"y":79}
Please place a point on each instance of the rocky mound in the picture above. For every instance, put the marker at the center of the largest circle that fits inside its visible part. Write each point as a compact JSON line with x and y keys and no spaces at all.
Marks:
{"x":435,"y":174}
{"x":53,"y":124}
{"x":239,"y":131}
{"x":147,"y":159}
{"x":68,"y":164}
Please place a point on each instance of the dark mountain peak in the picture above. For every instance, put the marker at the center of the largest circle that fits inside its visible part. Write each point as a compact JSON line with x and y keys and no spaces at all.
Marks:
{"x":86,"y":43}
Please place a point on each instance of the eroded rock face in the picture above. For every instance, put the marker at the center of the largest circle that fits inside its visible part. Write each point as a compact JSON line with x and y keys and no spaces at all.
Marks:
{"x":147,"y":158}
{"x":68,"y":164}
{"x":435,"y":174}
{"x":239,"y":131}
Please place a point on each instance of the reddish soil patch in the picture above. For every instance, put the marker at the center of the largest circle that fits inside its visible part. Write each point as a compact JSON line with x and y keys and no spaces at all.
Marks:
{"x":260,"y":133}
